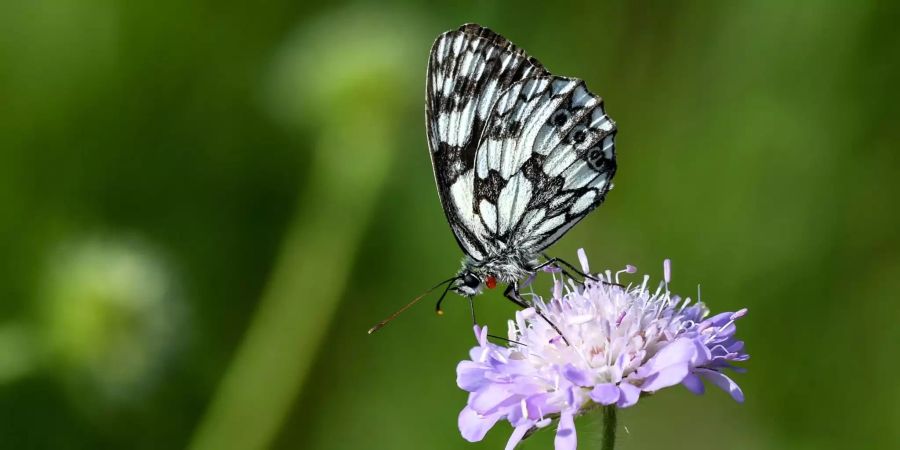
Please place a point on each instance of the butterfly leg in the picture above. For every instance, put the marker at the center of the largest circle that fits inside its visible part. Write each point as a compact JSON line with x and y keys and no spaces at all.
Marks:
{"x":554,"y":262}
{"x":475,"y":322}
{"x":557,"y":261}
{"x":512,"y":294}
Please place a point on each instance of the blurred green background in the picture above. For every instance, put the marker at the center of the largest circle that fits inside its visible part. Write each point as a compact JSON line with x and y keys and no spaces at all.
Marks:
{"x":204,"y":205}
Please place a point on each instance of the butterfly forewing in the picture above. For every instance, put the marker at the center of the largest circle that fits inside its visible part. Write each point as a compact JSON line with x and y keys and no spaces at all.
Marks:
{"x":468,"y":70}
{"x":519,"y":155}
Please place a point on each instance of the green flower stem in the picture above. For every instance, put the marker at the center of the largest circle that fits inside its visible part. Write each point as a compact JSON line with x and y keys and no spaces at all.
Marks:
{"x":302,"y":296}
{"x":352,"y":103}
{"x":609,"y":427}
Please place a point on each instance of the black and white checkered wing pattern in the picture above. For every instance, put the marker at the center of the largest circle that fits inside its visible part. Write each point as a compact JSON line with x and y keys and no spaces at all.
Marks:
{"x":468,"y":70}
{"x":545,"y":160}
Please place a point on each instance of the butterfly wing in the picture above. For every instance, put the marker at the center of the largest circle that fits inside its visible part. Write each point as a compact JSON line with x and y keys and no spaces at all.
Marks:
{"x":546,"y":159}
{"x":468,"y":70}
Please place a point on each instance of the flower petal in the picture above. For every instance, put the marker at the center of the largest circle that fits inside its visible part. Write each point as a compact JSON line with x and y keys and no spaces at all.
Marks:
{"x":470,"y":375}
{"x":702,"y":354}
{"x":605,"y":394}
{"x":629,"y":395}
{"x":577,"y":376}
{"x":719,"y":319}
{"x":679,"y":351}
{"x":570,"y":396}
{"x":488,"y":398}
{"x":723,"y":382}
{"x":538,"y":405}
{"x":481,"y":334}
{"x":474,"y":426}
{"x":524,"y":386}
{"x":735,"y":347}
{"x":669,"y":366}
{"x":694,"y":384}
{"x":565,"y":433}
{"x":582,"y":258}
{"x":668,"y":376}
{"x":557,"y":289}
{"x":517,"y":436}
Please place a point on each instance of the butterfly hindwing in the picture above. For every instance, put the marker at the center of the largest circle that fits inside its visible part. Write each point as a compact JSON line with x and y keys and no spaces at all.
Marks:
{"x":546,"y":158}
{"x":468,"y":70}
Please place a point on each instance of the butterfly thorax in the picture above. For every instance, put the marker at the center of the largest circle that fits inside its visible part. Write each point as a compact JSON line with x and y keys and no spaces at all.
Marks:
{"x":506,"y":267}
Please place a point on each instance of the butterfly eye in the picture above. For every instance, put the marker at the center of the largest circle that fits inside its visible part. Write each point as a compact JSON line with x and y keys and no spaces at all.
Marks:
{"x":490,"y":282}
{"x":471,"y":281}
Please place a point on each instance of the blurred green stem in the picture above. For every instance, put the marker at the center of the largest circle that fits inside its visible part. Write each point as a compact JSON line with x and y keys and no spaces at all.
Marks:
{"x":609,"y":427}
{"x":308,"y":281}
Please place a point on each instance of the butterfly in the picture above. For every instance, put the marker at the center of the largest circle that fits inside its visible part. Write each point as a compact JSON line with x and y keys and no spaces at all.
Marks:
{"x":519,"y":156}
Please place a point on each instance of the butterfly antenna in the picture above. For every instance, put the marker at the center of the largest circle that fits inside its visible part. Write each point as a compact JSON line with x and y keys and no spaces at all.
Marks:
{"x":393,"y":316}
{"x":437,"y":306}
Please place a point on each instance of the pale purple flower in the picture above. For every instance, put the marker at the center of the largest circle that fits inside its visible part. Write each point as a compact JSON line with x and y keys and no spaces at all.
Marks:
{"x":622,"y":342}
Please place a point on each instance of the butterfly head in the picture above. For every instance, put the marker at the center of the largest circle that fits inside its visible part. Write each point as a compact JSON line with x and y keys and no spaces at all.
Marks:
{"x":471,"y":282}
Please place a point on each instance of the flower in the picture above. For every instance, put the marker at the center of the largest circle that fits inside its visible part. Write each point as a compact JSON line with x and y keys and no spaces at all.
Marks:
{"x":617,"y":343}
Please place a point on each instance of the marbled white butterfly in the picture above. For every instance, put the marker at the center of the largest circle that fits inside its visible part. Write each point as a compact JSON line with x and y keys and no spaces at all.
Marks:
{"x":519,"y":155}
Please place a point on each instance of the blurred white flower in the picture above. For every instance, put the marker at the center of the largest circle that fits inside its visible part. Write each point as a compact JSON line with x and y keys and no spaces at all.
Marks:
{"x":108,"y":316}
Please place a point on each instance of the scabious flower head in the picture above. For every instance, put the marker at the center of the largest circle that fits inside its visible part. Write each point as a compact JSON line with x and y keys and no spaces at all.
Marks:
{"x":618,"y":342}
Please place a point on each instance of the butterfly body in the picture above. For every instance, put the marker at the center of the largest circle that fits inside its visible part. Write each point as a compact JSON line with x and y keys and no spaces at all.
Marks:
{"x":519,"y":155}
